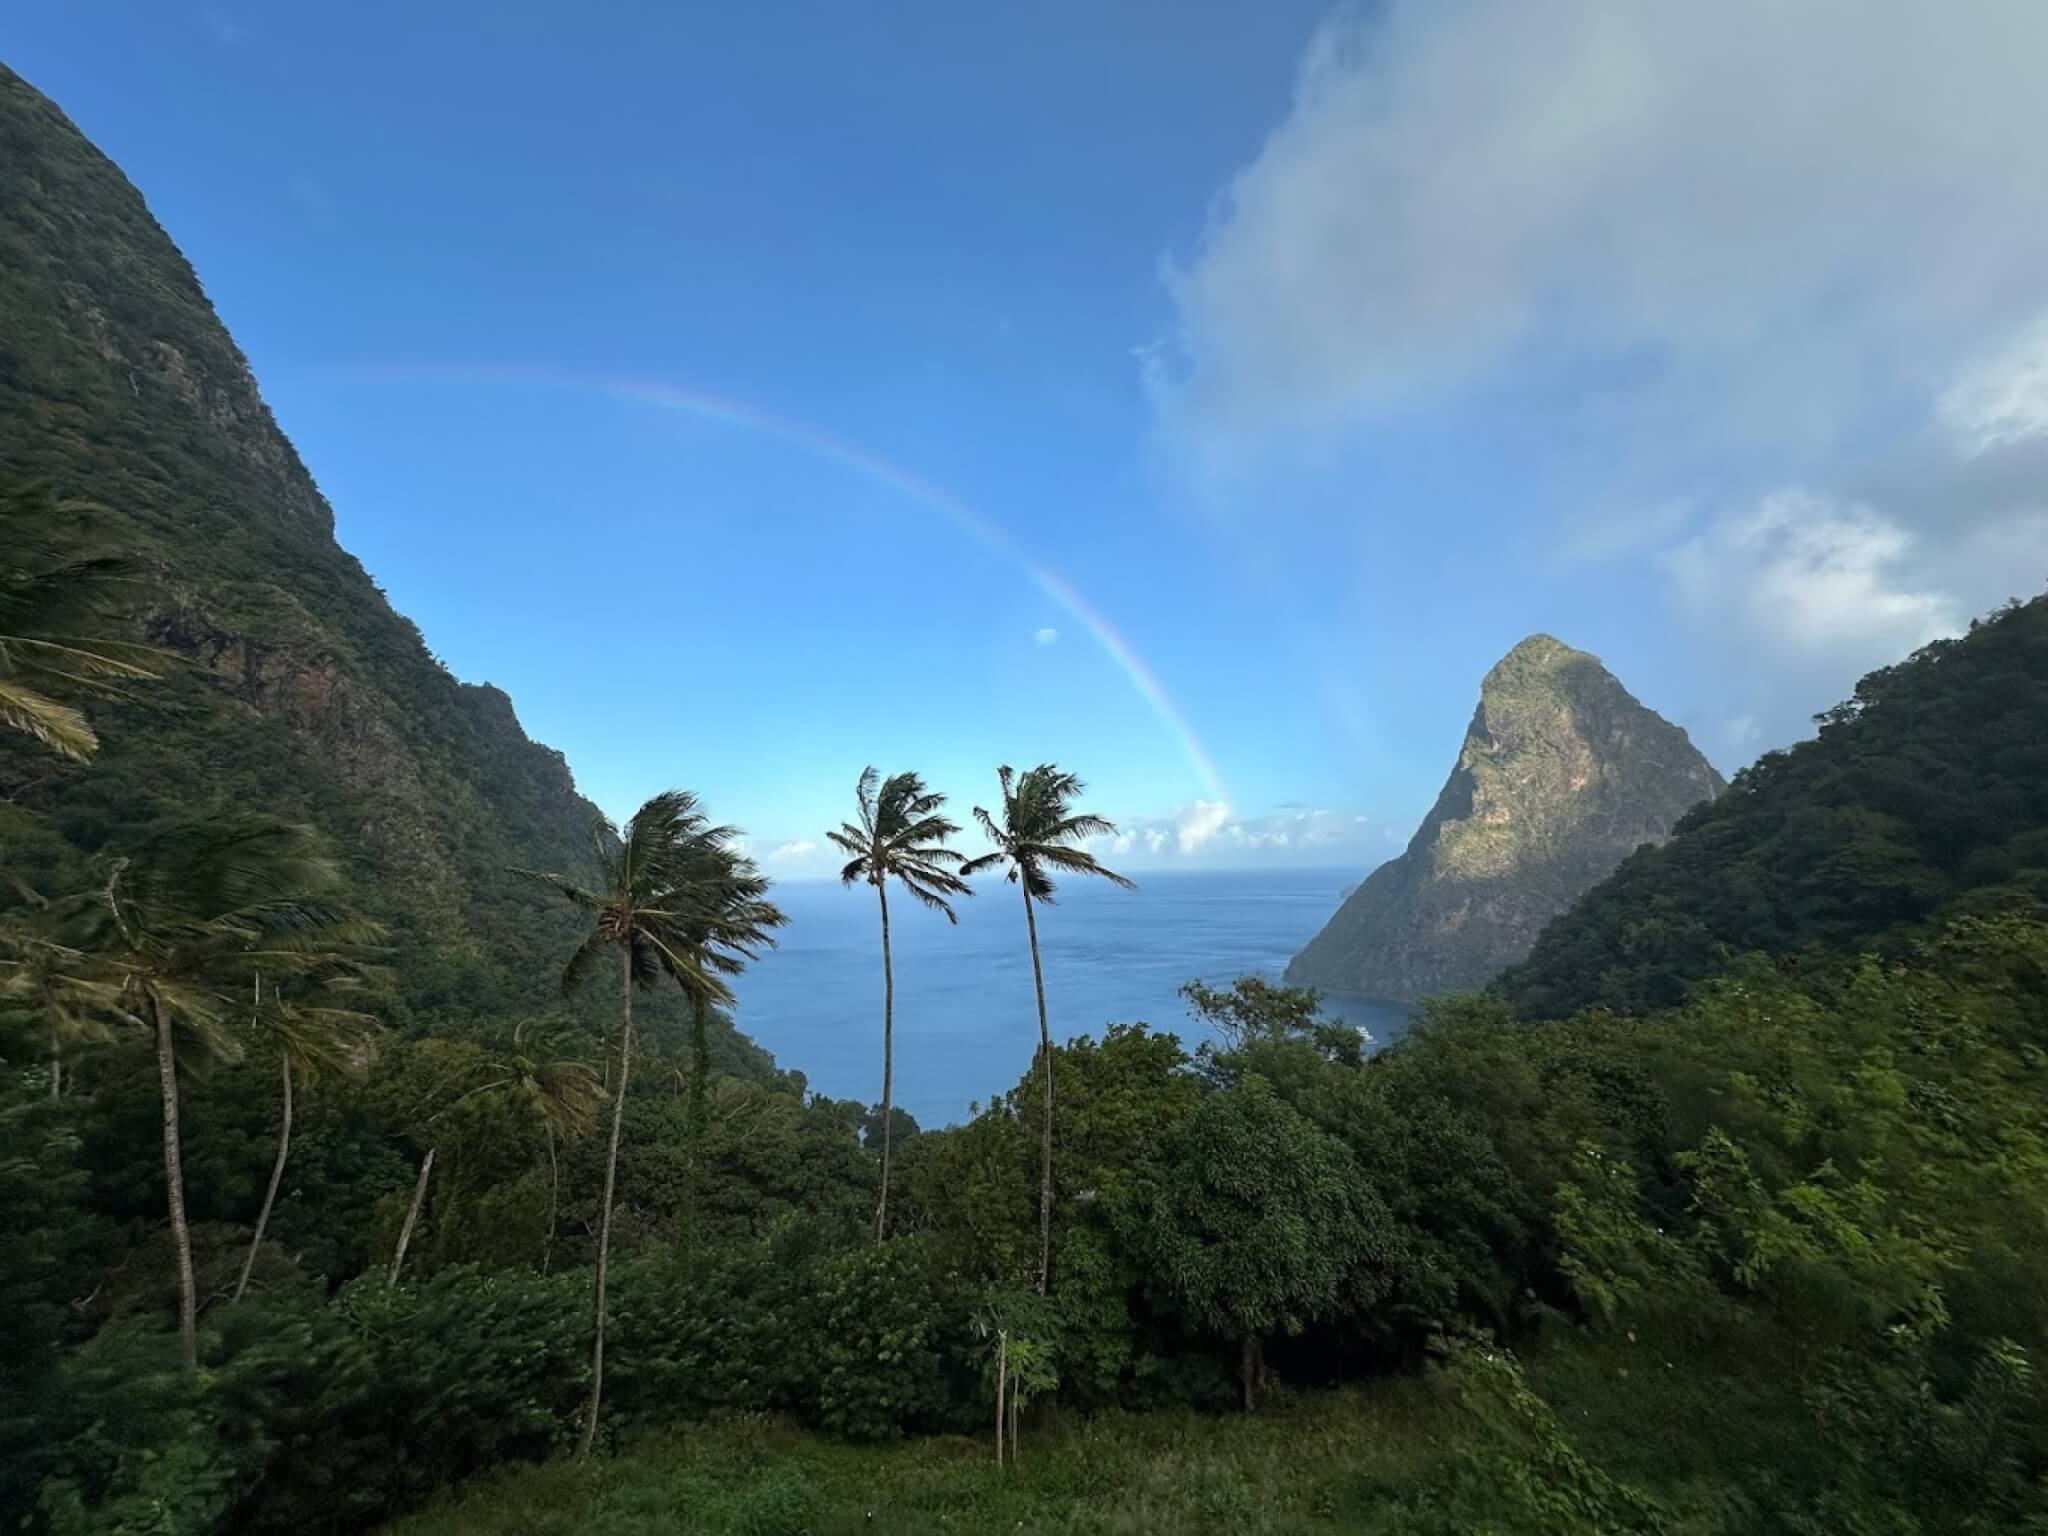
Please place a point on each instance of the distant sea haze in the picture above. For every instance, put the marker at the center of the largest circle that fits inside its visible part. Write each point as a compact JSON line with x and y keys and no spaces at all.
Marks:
{"x":966,"y":1020}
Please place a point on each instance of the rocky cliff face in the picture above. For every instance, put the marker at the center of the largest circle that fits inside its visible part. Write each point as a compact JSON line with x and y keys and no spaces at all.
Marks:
{"x":1562,"y":774}
{"x":306,"y":694}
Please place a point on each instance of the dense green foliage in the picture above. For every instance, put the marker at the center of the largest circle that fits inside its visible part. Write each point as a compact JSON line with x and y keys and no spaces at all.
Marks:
{"x":1763,"y":1247}
{"x":1924,"y":795}
{"x":1772,"y":1260}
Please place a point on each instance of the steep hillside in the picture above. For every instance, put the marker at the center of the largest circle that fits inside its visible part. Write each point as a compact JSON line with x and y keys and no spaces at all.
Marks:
{"x":1561,"y":775}
{"x":306,"y":692}
{"x":1924,"y":795}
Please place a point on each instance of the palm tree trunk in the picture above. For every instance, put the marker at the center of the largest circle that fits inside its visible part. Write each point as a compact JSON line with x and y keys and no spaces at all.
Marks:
{"x":888,"y":1061}
{"x":547,"y":1253}
{"x":1002,"y":1384}
{"x":412,"y":1215}
{"x":56,"y":1066}
{"x":174,"y":1183}
{"x":284,"y":1146}
{"x":611,"y":1173}
{"x":1016,"y":1446}
{"x":1045,"y":1076}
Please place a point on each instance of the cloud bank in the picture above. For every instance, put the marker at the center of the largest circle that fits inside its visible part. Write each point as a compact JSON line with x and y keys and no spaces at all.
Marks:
{"x":1787,"y":265}
{"x":1206,"y":833}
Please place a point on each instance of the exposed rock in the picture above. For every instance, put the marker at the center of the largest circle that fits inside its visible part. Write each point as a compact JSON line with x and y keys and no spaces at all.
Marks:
{"x":1561,"y":776}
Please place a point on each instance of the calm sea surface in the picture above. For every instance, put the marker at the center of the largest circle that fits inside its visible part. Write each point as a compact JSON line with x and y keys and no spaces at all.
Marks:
{"x":966,"y":1023}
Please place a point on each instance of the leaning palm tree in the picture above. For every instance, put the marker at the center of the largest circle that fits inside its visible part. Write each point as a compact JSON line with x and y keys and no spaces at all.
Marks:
{"x":313,"y":1036}
{"x":676,"y":900}
{"x":54,"y":600}
{"x":901,"y":835}
{"x":1039,"y":833}
{"x":189,"y":921}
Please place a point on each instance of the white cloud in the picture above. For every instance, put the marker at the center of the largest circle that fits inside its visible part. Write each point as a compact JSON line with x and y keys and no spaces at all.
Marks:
{"x":1046,"y":636}
{"x":1815,"y":575}
{"x":1202,"y":821}
{"x":1206,"y":832}
{"x":2000,"y":397}
{"x":790,"y":852}
{"x":1814,"y":198}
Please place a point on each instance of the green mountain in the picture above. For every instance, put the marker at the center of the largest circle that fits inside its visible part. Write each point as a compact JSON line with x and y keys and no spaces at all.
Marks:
{"x":1923,"y":797}
{"x":1562,"y":774}
{"x":306,"y":693}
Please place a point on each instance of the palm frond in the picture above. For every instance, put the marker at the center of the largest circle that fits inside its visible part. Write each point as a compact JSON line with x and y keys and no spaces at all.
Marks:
{"x":990,"y":830}
{"x":583,"y":961}
{"x":583,"y":897}
{"x":57,"y":726}
{"x":985,"y":863}
{"x":1077,"y":861}
{"x":1079,"y":828}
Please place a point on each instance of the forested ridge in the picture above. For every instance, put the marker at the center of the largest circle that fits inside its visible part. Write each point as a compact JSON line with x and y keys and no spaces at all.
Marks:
{"x":373,"y":1146}
{"x":1923,"y":795}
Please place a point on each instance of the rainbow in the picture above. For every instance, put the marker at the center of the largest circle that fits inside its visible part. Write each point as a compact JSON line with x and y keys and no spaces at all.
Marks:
{"x":905,"y":482}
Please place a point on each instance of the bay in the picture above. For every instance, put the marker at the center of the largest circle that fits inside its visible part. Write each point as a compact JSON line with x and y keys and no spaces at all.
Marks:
{"x":966,"y":1020}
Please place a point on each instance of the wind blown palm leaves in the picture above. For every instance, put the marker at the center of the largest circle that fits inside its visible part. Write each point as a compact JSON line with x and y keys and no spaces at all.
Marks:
{"x":677,"y":901}
{"x":1039,"y":833}
{"x":315,"y":1035}
{"x":552,"y":1090}
{"x":54,"y":600}
{"x":49,"y":983}
{"x":902,"y":836}
{"x":188,"y":923}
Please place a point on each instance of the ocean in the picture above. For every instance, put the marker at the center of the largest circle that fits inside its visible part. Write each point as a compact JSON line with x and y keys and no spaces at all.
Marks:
{"x":966,"y":1021}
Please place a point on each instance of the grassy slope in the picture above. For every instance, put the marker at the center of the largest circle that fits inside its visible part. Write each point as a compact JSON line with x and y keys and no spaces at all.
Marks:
{"x":1298,"y":1468}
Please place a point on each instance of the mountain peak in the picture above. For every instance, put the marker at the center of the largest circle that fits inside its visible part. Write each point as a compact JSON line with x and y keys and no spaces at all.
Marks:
{"x":1561,"y":775}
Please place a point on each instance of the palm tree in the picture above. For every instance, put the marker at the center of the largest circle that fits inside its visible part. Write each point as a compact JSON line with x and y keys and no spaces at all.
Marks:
{"x":190,"y":920}
{"x":901,"y":835}
{"x":48,"y":978}
{"x":675,"y":899}
{"x":557,"y":1093}
{"x":1038,"y":834}
{"x":50,"y":595}
{"x":313,"y":1037}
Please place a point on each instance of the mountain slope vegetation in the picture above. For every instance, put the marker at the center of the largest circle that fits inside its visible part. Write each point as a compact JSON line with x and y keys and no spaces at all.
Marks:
{"x":302,"y":691}
{"x":1924,"y":795}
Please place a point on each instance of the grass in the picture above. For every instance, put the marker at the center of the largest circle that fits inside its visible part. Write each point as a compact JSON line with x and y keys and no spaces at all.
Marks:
{"x":1317,"y":1464}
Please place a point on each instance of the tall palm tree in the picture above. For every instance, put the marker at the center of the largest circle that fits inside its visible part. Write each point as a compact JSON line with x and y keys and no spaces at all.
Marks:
{"x":901,"y":836}
{"x":52,"y":599}
{"x":676,"y":900}
{"x":1039,"y":833}
{"x":190,"y":920}
{"x":313,"y":1036}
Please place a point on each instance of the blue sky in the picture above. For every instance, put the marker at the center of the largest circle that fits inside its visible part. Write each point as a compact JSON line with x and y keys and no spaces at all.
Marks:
{"x":755,"y":392}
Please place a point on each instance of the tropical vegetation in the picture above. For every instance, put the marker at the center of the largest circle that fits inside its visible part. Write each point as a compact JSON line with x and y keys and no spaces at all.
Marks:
{"x":328,"y":1205}
{"x":299,"y":1249}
